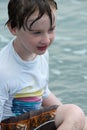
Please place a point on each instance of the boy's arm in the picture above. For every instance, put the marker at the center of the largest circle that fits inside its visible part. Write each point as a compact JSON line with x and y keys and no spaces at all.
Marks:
{"x":3,"y":97}
{"x":51,"y":100}
{"x":1,"y":109}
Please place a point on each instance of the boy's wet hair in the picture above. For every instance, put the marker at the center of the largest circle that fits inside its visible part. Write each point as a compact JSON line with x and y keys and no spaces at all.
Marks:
{"x":20,"y":10}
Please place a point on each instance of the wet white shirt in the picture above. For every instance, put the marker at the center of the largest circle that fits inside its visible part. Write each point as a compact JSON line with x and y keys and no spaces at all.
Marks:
{"x":23,"y":84}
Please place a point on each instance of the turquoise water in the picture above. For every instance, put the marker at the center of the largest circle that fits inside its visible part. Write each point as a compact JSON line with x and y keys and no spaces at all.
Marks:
{"x":68,"y":53}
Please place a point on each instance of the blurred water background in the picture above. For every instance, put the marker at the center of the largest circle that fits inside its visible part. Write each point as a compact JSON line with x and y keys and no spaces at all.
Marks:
{"x":68,"y":53}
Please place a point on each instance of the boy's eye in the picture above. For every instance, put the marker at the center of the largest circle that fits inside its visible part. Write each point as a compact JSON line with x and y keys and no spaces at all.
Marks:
{"x":51,"y":29}
{"x":38,"y":32}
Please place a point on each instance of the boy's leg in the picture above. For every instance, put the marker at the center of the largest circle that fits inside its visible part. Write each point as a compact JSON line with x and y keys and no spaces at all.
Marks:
{"x":69,"y":117}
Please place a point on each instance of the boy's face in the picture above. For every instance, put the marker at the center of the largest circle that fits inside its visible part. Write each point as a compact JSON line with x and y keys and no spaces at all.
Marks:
{"x":39,"y":39}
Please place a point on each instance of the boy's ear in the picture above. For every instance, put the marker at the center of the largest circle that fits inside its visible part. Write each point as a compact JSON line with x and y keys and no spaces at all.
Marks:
{"x":12,"y":30}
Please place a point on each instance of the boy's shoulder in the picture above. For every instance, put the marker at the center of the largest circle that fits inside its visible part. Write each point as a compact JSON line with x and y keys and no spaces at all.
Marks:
{"x":46,"y":55}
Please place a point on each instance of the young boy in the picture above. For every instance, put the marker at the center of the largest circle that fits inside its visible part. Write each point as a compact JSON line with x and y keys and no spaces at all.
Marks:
{"x":24,"y":70}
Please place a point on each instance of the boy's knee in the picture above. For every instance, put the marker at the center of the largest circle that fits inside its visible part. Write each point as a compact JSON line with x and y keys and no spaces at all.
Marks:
{"x":70,"y":113}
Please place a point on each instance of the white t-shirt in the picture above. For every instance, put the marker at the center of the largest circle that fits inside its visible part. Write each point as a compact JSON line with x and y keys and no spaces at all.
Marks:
{"x":23,"y":84}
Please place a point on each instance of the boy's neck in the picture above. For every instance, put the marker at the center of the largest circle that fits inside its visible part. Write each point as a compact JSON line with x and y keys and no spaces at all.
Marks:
{"x":24,"y":55}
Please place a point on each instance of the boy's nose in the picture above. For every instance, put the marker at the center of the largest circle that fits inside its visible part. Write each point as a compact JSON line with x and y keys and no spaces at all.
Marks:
{"x":45,"y":39}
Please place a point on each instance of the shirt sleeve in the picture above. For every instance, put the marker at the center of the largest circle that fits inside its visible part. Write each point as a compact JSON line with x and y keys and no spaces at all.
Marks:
{"x":46,"y":92}
{"x":46,"y":89}
{"x":3,"y":98}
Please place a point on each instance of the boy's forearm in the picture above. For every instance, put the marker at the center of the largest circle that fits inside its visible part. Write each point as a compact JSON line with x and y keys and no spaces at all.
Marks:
{"x":51,"y":100}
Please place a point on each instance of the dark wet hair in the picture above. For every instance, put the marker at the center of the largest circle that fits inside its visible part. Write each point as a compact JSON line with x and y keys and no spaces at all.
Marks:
{"x":20,"y":10}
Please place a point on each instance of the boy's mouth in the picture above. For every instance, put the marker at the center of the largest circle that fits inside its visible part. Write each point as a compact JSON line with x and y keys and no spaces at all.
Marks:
{"x":43,"y":48}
